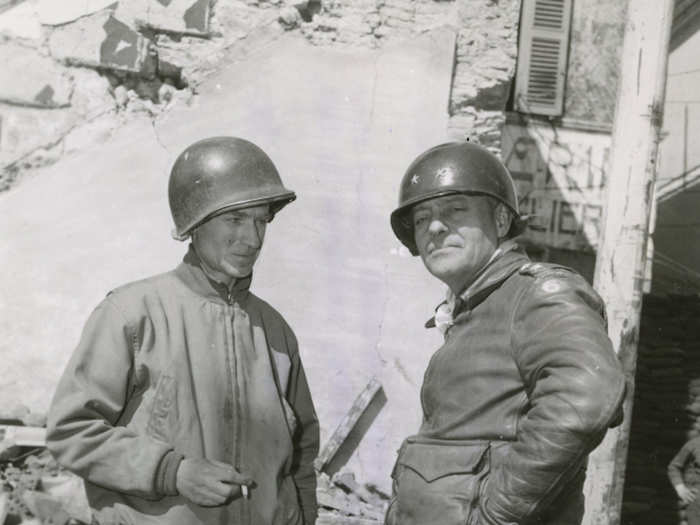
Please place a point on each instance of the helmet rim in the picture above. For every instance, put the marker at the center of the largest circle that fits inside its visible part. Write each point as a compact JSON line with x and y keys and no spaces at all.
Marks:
{"x":454,"y":168}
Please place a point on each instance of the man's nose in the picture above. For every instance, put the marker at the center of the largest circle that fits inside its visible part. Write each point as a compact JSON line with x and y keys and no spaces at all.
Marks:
{"x":252,"y":233}
{"x":436,"y":226}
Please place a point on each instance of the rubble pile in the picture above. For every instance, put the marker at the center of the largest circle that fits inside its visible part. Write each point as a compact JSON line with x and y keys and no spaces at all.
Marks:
{"x":666,"y":407}
{"x":343,"y":501}
{"x":34,"y":489}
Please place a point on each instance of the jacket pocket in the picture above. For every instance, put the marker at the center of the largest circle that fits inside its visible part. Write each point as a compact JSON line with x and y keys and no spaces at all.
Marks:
{"x":438,"y":483}
{"x":434,"y":461}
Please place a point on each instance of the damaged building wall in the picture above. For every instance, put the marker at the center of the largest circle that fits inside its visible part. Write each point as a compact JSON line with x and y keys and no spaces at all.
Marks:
{"x":560,"y":162}
{"x":341,"y":100}
{"x":86,"y":64}
{"x":484,"y":68}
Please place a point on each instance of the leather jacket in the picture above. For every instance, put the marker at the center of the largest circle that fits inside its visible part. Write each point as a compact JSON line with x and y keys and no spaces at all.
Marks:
{"x":523,"y":389}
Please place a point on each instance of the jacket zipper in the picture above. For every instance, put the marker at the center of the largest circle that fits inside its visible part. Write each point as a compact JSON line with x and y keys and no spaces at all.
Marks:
{"x":235,"y":388}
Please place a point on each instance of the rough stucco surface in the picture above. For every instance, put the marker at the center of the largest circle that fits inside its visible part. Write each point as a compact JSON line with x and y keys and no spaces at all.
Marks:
{"x":335,"y":124}
{"x":597,"y":32}
{"x":342,"y":102}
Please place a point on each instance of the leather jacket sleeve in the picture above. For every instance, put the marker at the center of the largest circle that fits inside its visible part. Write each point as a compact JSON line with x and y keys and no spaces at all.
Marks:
{"x":575,"y":388}
{"x":90,"y":397}
{"x":306,"y":438}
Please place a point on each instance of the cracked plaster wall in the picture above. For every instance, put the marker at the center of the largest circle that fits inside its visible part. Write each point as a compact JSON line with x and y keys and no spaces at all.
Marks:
{"x":78,"y":68}
{"x":356,"y":105}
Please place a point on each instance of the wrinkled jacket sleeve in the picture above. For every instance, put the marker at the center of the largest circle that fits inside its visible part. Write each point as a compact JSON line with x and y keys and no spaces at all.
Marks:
{"x":575,"y":387}
{"x":306,"y":438}
{"x":83,"y":434}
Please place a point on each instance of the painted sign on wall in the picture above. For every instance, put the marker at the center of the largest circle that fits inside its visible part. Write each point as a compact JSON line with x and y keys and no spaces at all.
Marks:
{"x":560,"y":177}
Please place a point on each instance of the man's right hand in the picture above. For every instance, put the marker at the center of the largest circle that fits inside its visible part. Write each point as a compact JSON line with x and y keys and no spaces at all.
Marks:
{"x":686,"y":495}
{"x":209,"y":483}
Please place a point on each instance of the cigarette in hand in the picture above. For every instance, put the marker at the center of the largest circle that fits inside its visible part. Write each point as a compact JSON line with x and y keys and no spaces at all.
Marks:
{"x":244,"y":491}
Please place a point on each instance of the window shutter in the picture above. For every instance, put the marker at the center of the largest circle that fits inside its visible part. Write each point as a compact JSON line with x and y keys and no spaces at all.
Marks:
{"x":542,"y":56}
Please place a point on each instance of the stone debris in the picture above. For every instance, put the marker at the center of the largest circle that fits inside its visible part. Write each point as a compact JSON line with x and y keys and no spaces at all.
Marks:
{"x":36,"y":489}
{"x":33,"y":487}
{"x":342,"y":500}
{"x":45,"y":508}
{"x":290,"y":17}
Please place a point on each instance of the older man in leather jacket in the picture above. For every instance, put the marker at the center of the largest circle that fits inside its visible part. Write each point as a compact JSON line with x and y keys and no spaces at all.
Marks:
{"x":526,"y":383}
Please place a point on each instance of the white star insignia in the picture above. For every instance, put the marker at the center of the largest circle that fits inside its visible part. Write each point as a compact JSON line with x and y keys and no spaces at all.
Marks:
{"x":415,"y":179}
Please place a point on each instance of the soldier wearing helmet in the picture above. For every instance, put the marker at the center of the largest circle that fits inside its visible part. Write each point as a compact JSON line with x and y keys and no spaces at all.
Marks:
{"x":185,"y":401}
{"x":526,"y":383}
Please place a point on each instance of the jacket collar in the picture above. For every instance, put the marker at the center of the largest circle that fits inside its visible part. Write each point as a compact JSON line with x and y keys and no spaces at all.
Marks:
{"x":193,"y":275}
{"x":509,"y":259}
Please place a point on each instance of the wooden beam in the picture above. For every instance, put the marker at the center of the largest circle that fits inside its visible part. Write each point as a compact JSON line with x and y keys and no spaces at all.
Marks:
{"x":4,"y":506}
{"x":330,"y":519}
{"x":347,"y":424}
{"x":20,"y":436}
{"x":622,"y":253}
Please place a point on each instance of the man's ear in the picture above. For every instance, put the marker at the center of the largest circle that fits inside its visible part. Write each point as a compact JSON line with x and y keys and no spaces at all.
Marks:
{"x":504,"y":218}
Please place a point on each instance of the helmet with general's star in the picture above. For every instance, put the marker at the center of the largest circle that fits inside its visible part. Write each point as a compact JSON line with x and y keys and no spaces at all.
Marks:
{"x":455,"y":167}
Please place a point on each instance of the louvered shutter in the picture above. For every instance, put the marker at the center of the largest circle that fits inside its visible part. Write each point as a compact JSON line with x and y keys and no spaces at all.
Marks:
{"x":542,"y":56}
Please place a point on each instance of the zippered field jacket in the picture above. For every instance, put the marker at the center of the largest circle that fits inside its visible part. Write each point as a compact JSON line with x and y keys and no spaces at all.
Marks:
{"x":176,"y":365}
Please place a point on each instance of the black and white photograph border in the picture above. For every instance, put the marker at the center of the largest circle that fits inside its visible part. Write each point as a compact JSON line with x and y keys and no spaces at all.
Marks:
{"x":591,"y":106}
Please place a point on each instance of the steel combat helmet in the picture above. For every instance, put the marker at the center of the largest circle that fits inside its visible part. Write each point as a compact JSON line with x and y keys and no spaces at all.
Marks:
{"x":219,"y":174}
{"x":455,"y":167}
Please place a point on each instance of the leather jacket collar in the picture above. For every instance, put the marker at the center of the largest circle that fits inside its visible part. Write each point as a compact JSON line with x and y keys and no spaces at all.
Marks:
{"x":487,"y":281}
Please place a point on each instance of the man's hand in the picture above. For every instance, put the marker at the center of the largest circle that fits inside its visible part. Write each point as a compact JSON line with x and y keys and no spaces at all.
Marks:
{"x":209,"y":483}
{"x":686,"y":495}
